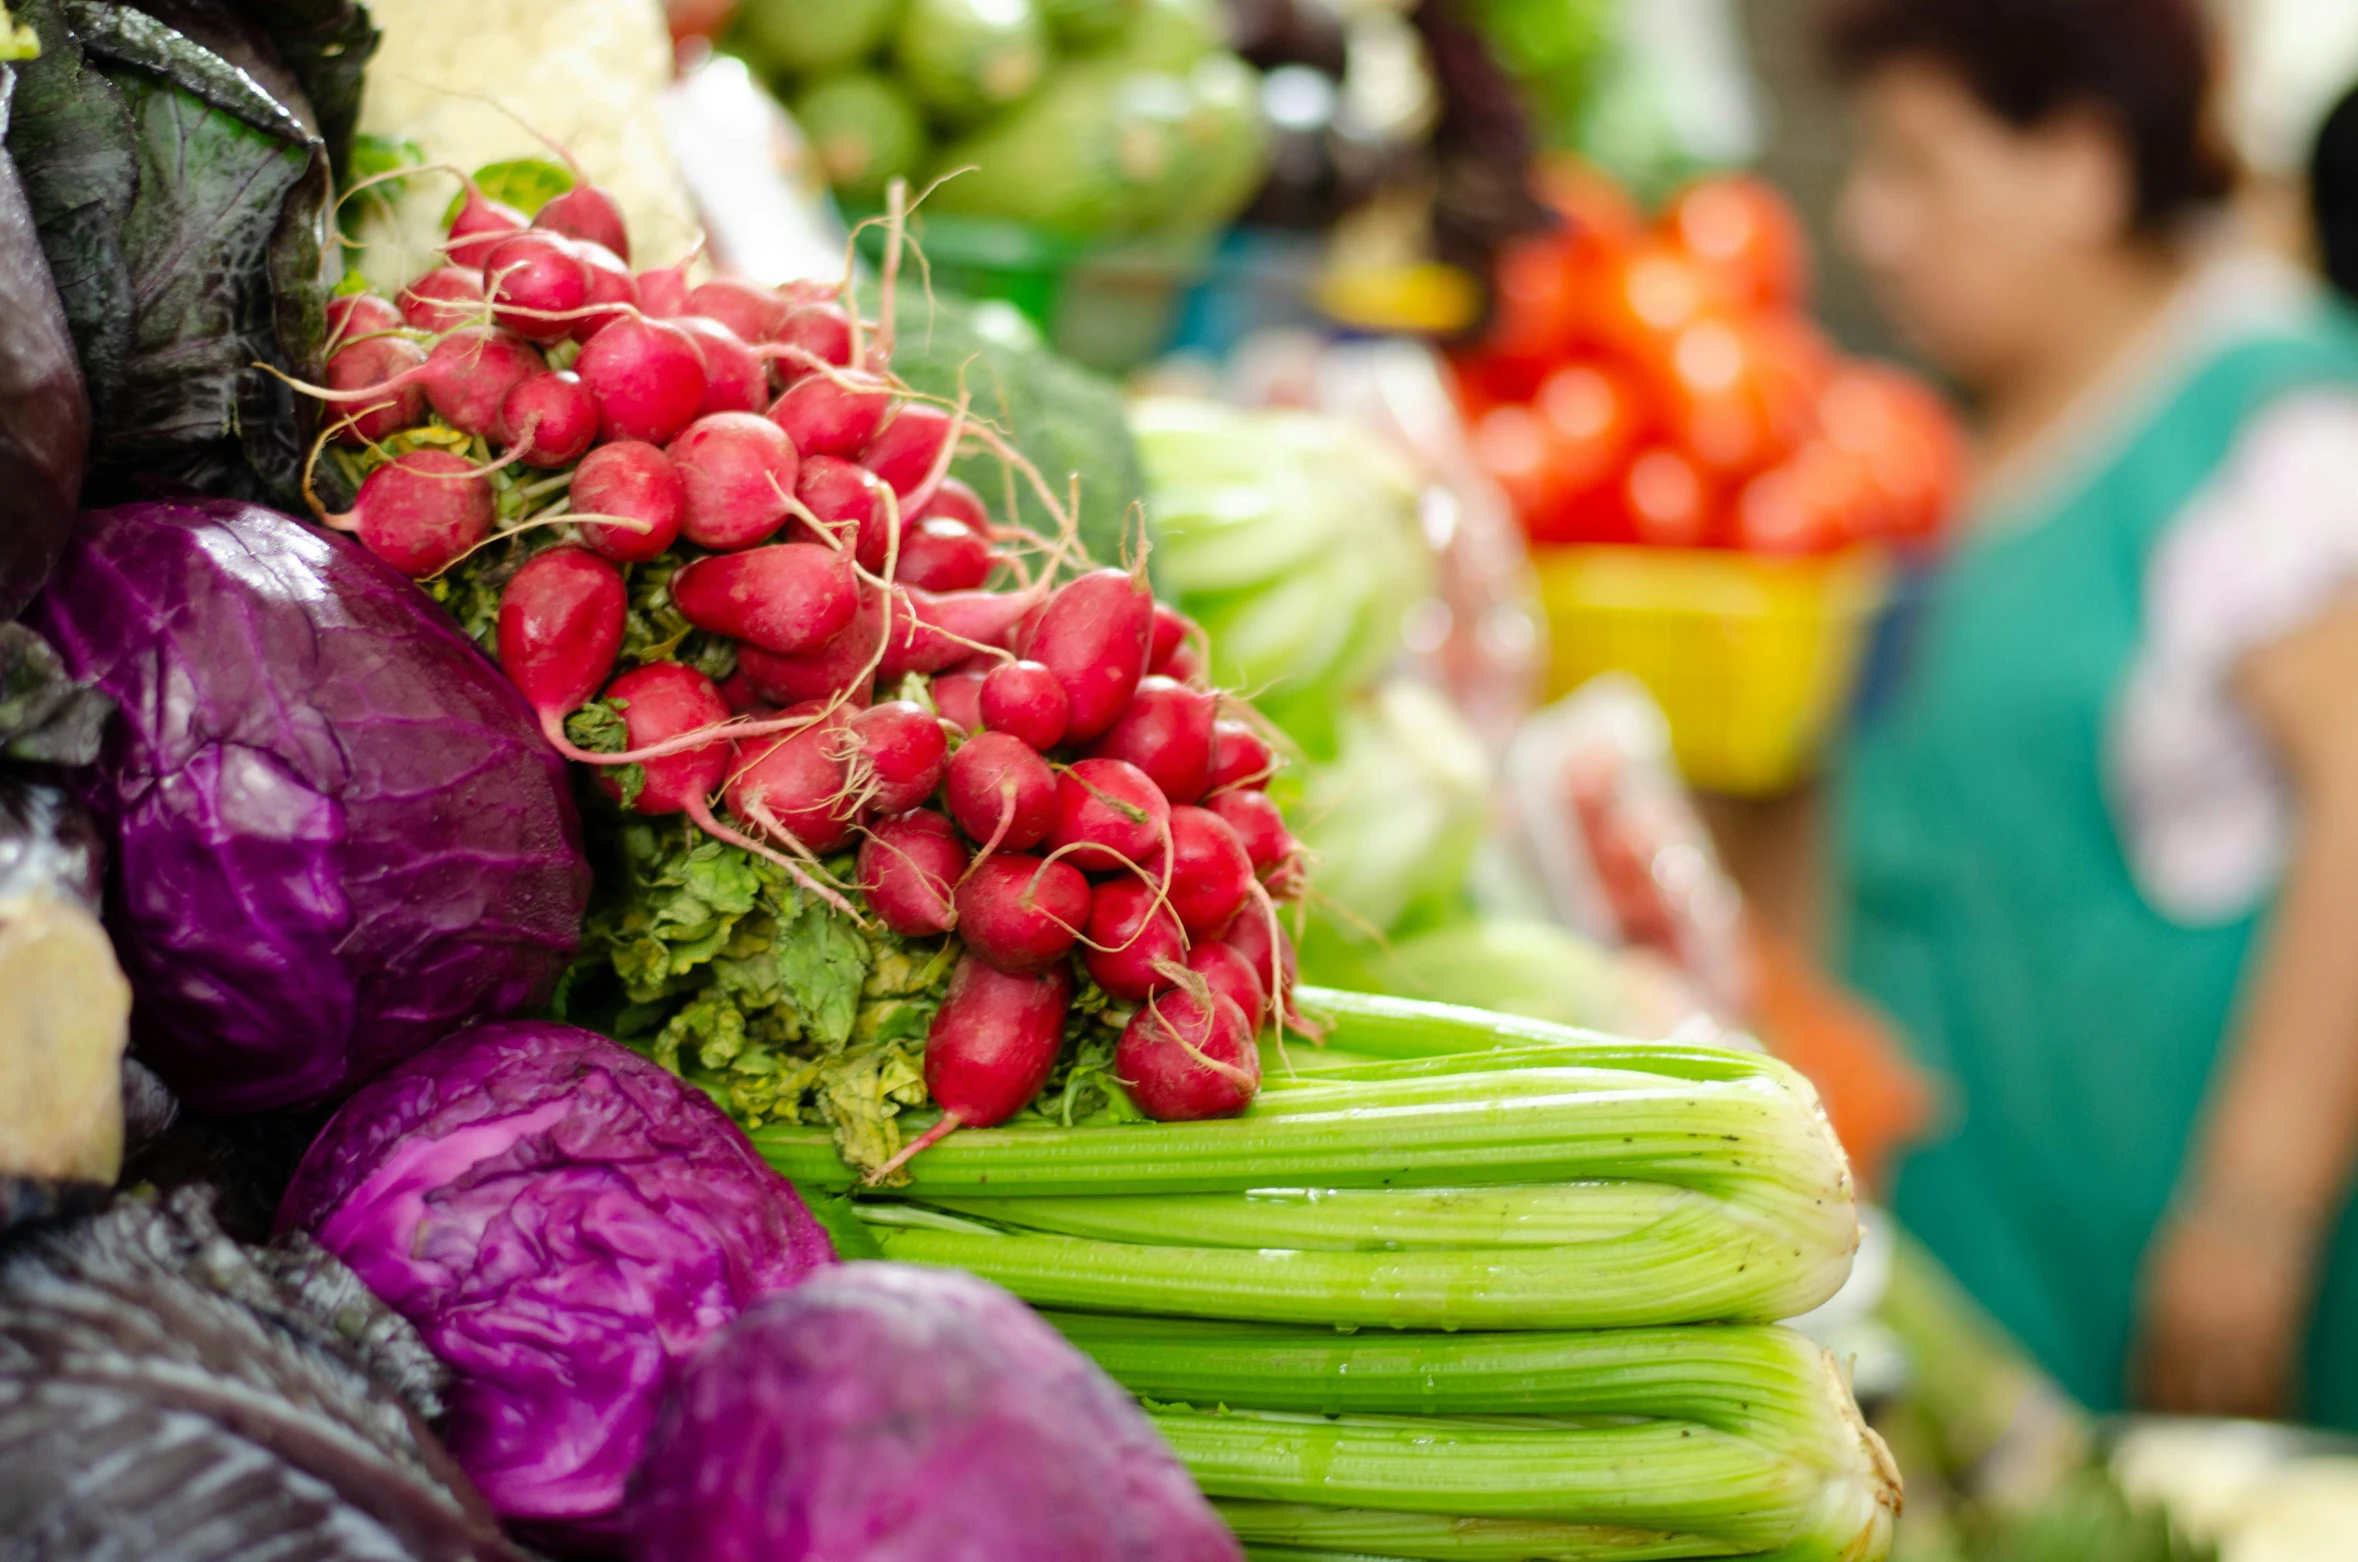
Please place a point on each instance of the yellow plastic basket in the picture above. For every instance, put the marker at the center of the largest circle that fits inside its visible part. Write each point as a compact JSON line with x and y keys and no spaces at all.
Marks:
{"x":1753,"y":659}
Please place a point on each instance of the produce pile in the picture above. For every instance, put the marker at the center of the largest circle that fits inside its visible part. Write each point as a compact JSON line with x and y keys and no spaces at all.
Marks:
{"x":1080,"y":117}
{"x":1659,"y":384}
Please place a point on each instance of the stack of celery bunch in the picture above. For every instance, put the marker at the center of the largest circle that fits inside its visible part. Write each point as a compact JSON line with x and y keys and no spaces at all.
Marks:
{"x":1456,"y":1286}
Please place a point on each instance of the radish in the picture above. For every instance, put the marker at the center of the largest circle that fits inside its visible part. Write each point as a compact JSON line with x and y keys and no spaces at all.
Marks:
{"x":663,"y":292}
{"x":831,"y":415}
{"x":793,"y":597}
{"x":1211,"y":873}
{"x":734,"y":379}
{"x":834,"y":669}
{"x":743,"y":698}
{"x":658,"y":702}
{"x":904,"y":450}
{"x":1261,"y":939}
{"x":902,"y":755}
{"x":1111,"y":816}
{"x":989,"y":1051}
{"x":419,"y":512}
{"x":958,"y":696}
{"x":1185,"y":1058}
{"x":1020,"y":914}
{"x":613,"y":291}
{"x":795,"y":785}
{"x":1258,"y":825}
{"x":1171,"y":628}
{"x":1167,"y":732}
{"x":1241,"y":757}
{"x":648,"y":377}
{"x":824,"y":331}
{"x":1094,"y":634}
{"x":478,"y":228}
{"x":351,"y":316}
{"x":754,"y":312}
{"x":638,"y":482}
{"x":470,"y":372}
{"x":560,"y":628}
{"x":389,"y":364}
{"x":444,"y":299}
{"x":848,"y":502}
{"x":1186,"y":665}
{"x":548,"y":420}
{"x":537,"y":285}
{"x":1227,"y":972}
{"x":589,"y":214}
{"x":738,"y":469}
{"x":908,"y":867}
{"x":1024,"y":700}
{"x":954,"y":501}
{"x":943,"y":554}
{"x":936,"y":630}
{"x":1001,"y":792}
{"x":1133,"y":942}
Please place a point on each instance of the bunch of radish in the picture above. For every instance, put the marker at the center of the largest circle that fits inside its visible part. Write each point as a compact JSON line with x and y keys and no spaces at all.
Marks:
{"x":1006,"y":746}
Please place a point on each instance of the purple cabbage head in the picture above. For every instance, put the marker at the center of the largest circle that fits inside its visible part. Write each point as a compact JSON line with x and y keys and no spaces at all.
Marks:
{"x":337,"y":832}
{"x":562,"y":1220}
{"x":887,"y":1413}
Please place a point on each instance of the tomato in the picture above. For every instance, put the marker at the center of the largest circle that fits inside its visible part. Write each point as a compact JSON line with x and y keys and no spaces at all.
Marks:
{"x":1666,"y":500}
{"x":1747,"y":235}
{"x":1822,"y":499}
{"x":1736,"y":395}
{"x":1646,"y":297}
{"x":1900,"y":429}
{"x":1511,"y":445}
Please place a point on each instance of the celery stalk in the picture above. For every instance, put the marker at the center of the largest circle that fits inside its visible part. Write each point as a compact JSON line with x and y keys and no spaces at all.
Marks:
{"x":1377,"y":1536}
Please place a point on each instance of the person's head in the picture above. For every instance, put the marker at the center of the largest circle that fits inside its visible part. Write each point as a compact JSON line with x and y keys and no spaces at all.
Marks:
{"x":2008,"y":147}
{"x":2333,"y":194}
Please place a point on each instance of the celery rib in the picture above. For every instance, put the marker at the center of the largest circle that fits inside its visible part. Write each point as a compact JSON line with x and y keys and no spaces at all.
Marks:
{"x":1298,"y":1530}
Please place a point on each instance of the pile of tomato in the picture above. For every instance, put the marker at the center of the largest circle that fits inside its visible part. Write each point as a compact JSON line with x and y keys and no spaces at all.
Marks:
{"x":1660,"y":383}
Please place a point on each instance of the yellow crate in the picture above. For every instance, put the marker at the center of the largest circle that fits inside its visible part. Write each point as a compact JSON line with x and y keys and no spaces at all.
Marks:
{"x":1752,"y":659}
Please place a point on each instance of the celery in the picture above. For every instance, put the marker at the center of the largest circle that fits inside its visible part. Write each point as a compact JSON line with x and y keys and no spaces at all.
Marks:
{"x":1352,"y":1532}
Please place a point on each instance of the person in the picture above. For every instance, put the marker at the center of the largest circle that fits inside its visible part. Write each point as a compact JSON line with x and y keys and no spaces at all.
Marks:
{"x":2333,"y":194}
{"x":2099,"y":857}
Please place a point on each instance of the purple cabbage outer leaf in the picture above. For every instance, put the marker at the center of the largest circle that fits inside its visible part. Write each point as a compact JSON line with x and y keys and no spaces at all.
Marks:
{"x":336,"y":832}
{"x":44,"y":415}
{"x":562,"y":1220}
{"x":888,"y":1413}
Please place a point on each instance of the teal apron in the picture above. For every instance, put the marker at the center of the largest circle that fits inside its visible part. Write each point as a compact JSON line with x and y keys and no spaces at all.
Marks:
{"x":1991,"y":911}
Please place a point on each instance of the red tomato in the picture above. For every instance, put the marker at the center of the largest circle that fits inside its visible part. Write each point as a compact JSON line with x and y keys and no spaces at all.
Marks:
{"x":1900,"y":429}
{"x":1536,"y":316}
{"x":1666,"y":500}
{"x":1511,"y":444}
{"x":1746,"y":235}
{"x":1646,"y":298}
{"x":1738,"y":397}
{"x":1820,"y":500}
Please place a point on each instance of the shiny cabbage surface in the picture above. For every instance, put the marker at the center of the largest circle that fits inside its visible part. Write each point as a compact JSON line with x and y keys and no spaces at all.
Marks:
{"x":337,"y":833}
{"x":888,"y":1413}
{"x":561,"y":1219}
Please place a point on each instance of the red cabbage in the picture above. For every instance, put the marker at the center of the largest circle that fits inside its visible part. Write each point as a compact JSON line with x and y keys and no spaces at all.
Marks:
{"x":887,"y":1413}
{"x":561,"y":1219}
{"x":336,"y":832}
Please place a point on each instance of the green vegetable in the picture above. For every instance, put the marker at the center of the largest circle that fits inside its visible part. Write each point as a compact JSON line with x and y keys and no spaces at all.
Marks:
{"x":1393,"y":822}
{"x":1170,"y":35}
{"x":1089,"y":155}
{"x":865,"y":132}
{"x":785,"y":38}
{"x":1082,"y":24}
{"x":1536,"y":969}
{"x":526,"y":183}
{"x":965,"y":58}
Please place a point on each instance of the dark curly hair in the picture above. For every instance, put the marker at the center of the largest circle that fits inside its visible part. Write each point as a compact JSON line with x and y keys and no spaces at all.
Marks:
{"x":2333,"y":194}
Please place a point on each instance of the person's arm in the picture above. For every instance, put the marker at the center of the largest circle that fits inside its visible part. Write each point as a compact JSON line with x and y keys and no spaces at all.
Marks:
{"x":2230,"y":1279}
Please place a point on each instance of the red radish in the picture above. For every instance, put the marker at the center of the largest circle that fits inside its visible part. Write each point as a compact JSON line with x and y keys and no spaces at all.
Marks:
{"x":538,"y":286}
{"x":1241,"y":757}
{"x":351,"y":316}
{"x":739,"y":473}
{"x":658,"y":702}
{"x":648,"y":376}
{"x":1186,"y":666}
{"x":848,"y":501}
{"x":1131,"y":940}
{"x":1170,"y":632}
{"x":734,"y":379}
{"x":904,"y":450}
{"x":1001,"y":792}
{"x":1093,"y":634}
{"x":663,"y":292}
{"x":479,"y":226}
{"x":589,"y":214}
{"x":908,"y":867}
{"x":754,"y":312}
{"x":958,"y":696}
{"x":1227,"y":972}
{"x":942,"y":554}
{"x":1258,"y":825}
{"x":833,"y":415}
{"x":1261,"y":939}
{"x":1166,"y":732}
{"x":954,"y":501}
{"x":1112,"y":816}
{"x":614,"y":292}
{"x":445,"y":299}
{"x":743,"y":698}
{"x":934,"y":630}
{"x":1183,"y":1059}
{"x":834,"y":669}
{"x":795,"y":785}
{"x":793,"y":597}
{"x":470,"y":372}
{"x":548,"y":420}
{"x":560,"y":628}
{"x":392,"y":362}
{"x":824,"y":331}
{"x":902,"y":754}
{"x":419,"y":512}
{"x":634,"y":480}
{"x":1211,"y":873}
{"x":1024,"y":700}
{"x":1020,"y":914}
{"x":989,"y":1050}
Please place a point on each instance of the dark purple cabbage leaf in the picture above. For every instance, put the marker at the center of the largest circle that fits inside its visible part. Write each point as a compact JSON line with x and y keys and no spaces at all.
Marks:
{"x":889,"y":1413}
{"x":562,"y":1220}
{"x":44,"y":415}
{"x":336,"y":833}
